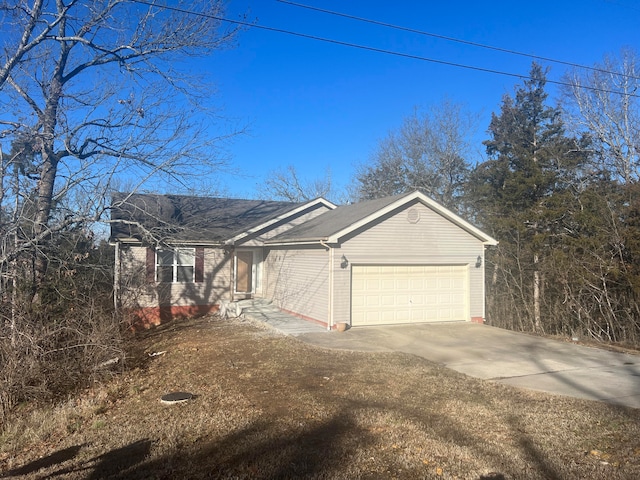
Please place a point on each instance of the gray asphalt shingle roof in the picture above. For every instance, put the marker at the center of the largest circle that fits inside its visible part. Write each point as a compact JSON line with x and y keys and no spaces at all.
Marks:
{"x":189,"y":218}
{"x":336,"y":220}
{"x":192,"y":219}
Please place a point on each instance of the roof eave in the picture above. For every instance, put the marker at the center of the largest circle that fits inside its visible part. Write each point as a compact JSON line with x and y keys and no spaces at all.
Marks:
{"x":137,"y":241}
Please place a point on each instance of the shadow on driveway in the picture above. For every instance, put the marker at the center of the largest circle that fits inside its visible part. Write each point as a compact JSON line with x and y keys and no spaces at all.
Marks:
{"x":504,"y":356}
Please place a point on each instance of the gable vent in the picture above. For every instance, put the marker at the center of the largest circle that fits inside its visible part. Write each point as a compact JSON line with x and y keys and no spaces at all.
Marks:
{"x":413,"y":215}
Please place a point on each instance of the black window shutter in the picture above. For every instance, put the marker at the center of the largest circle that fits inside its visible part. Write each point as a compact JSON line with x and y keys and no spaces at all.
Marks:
{"x":199,"y":264}
{"x":151,"y":265}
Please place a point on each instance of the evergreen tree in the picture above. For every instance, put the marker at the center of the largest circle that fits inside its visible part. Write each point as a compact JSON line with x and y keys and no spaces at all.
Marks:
{"x":532,"y":165}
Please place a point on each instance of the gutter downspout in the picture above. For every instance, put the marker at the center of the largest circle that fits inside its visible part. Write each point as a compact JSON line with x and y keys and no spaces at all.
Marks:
{"x":484,"y":287}
{"x":331,"y":252}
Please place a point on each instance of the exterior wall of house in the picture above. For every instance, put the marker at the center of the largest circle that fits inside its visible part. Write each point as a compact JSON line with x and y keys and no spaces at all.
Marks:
{"x":259,"y":237}
{"x":297,"y":280}
{"x":153,"y":302}
{"x":399,"y":239}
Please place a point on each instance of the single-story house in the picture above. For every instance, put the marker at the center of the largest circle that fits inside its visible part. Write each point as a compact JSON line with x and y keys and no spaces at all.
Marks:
{"x":399,"y":259}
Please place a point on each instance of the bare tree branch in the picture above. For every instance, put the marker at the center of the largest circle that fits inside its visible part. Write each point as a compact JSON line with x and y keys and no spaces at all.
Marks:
{"x":287,"y":185}
{"x":96,"y":92}
{"x":429,"y":152}
{"x":612,"y":120}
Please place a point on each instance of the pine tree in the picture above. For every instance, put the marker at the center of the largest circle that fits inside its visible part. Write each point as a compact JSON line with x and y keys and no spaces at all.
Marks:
{"x":531,"y":165}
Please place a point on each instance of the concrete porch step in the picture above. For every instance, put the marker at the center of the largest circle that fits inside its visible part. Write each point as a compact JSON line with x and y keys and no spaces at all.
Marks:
{"x":264,"y":311}
{"x":238,"y":308}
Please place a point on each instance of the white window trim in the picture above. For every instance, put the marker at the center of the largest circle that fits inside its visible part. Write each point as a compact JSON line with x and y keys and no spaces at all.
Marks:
{"x":175,"y":254}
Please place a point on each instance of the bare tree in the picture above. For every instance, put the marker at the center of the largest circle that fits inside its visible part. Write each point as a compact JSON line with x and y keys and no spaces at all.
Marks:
{"x":604,"y":103}
{"x":92,"y":92}
{"x":286,"y":184}
{"x":430,"y":152}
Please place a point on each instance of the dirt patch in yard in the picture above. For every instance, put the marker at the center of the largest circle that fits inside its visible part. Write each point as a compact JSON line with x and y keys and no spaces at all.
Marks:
{"x":268,"y":406}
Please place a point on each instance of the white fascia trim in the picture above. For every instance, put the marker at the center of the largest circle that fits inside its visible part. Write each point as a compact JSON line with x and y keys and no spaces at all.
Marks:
{"x":446,"y":213}
{"x":135,"y":241}
{"x":287,"y":243}
{"x":317,"y":201}
{"x":195,"y":243}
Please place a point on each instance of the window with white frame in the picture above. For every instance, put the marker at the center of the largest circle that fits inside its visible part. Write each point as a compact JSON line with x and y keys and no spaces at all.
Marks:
{"x":175,"y":266}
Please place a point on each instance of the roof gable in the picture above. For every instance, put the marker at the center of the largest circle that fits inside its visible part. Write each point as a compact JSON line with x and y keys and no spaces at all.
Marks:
{"x":279,"y":219}
{"x":331,"y":226}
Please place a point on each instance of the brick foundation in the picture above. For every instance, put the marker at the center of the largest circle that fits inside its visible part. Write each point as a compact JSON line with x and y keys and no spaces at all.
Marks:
{"x":143,"y":318}
{"x":304,"y":317}
{"x":479,"y":320}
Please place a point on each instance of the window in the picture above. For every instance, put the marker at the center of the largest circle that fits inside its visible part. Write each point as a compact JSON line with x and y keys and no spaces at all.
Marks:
{"x":177,"y":265}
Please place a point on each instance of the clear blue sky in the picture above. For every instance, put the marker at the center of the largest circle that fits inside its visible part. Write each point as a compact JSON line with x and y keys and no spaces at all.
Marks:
{"x":317,"y":105}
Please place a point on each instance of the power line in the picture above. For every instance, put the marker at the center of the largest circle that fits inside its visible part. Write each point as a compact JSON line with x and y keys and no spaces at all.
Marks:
{"x":453,"y":39}
{"x":373,"y":49}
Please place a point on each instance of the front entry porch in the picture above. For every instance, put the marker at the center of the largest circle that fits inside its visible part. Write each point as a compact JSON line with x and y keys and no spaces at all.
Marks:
{"x":263,"y":311}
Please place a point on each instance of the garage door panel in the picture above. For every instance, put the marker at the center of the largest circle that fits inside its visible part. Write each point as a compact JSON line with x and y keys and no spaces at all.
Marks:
{"x":388,"y":317}
{"x":372,"y":284}
{"x":372,"y":301}
{"x":387,"y":284}
{"x":389,"y":294}
{"x":444,"y":299}
{"x":401,"y":299}
{"x":458,"y":299}
{"x":417,"y":300}
{"x":387,"y":300}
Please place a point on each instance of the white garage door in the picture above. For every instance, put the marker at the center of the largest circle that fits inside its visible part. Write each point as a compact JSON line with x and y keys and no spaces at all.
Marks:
{"x":385,"y":294}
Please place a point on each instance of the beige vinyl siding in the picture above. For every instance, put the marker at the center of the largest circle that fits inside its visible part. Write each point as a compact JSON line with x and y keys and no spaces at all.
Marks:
{"x":297,"y":280}
{"x":133,"y":286}
{"x":138,"y":293}
{"x":259,"y":237}
{"x":394,"y":240}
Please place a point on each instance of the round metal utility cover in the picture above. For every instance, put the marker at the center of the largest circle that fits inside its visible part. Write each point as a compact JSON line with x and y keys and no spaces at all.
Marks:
{"x":176,"y":397}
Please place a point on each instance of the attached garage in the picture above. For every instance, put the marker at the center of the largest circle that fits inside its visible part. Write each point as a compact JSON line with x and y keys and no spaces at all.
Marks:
{"x":397,"y":294}
{"x":394,"y":260}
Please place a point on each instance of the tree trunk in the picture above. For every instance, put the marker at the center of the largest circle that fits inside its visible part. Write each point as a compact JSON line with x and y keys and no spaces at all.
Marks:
{"x":43,"y":212}
{"x":536,"y":293}
{"x":49,"y":168}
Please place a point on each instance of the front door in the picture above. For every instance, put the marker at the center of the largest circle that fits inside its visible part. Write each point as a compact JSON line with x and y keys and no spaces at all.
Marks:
{"x":244,"y":268}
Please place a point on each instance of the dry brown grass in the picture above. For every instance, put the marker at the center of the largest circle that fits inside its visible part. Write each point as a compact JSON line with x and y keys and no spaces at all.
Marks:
{"x":269,"y":406}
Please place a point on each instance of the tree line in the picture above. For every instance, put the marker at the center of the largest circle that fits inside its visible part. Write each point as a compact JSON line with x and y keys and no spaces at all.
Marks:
{"x":558,"y":187}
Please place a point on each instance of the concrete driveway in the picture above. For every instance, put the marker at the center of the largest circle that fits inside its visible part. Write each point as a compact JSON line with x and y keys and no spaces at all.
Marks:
{"x":503,"y":356}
